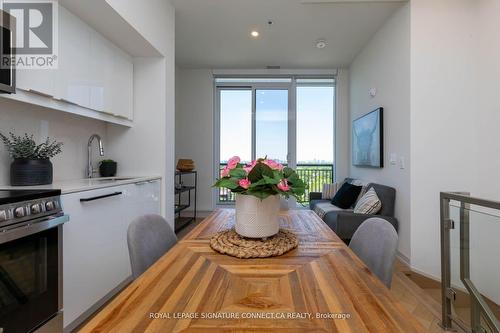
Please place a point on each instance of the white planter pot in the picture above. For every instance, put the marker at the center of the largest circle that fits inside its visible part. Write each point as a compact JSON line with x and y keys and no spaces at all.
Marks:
{"x":256,"y":218}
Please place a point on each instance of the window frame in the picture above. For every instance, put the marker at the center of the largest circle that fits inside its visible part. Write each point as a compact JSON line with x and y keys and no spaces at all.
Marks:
{"x":238,"y":82}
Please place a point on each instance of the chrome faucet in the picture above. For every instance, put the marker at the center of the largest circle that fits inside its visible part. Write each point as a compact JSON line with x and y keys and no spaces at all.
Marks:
{"x":90,"y":168}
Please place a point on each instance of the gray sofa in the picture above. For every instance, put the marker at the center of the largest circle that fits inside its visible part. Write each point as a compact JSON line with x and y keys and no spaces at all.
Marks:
{"x":344,"y":222}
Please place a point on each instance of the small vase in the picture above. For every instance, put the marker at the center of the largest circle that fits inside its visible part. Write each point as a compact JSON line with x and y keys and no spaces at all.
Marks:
{"x":108,"y":169}
{"x":256,"y":218}
{"x":26,"y":172}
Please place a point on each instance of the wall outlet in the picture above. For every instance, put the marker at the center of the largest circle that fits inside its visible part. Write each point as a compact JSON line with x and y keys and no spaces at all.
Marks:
{"x":402,"y":163}
{"x":372,"y":92}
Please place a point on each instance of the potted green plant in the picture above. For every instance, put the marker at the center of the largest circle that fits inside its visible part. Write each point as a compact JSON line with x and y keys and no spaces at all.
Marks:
{"x":31,"y":165}
{"x":107,"y":168}
{"x":258,"y":187}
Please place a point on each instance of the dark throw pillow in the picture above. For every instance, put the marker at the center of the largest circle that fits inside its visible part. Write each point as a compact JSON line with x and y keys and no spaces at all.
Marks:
{"x":346,"y":196}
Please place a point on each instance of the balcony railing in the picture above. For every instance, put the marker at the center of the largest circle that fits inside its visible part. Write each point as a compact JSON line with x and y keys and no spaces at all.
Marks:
{"x":314,"y":175}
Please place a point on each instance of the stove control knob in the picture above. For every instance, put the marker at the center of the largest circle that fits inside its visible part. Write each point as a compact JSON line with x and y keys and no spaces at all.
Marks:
{"x":19,"y":212}
{"x":36,"y":209}
{"x":49,"y":205}
{"x":3,"y":215}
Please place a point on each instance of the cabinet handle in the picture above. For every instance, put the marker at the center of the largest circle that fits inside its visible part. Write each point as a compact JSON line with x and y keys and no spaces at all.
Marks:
{"x":101,"y":197}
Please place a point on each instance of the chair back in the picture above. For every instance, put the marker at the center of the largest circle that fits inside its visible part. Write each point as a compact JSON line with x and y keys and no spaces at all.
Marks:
{"x":149,"y":237}
{"x":375,"y":242}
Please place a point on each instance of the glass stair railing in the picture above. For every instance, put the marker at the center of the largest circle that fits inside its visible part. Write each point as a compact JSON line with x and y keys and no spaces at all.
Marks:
{"x":470,"y":263}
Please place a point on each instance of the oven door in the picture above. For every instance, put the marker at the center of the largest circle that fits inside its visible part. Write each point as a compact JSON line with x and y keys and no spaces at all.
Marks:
{"x":30,"y":281}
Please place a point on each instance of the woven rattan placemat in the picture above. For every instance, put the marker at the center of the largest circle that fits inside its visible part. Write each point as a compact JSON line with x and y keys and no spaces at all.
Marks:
{"x":230,"y":243}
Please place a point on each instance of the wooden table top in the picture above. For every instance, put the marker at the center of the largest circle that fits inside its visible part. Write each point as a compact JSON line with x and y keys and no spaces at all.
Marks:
{"x":319,"y":287}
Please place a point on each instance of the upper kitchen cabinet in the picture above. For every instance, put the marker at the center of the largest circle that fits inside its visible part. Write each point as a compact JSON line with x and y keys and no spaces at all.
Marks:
{"x":112,"y":78}
{"x":73,"y":78}
{"x":101,"y":67}
{"x":37,"y":81}
{"x":94,"y":77}
{"x":123,"y":84}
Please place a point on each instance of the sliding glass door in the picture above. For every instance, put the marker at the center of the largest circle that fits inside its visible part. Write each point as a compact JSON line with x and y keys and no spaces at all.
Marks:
{"x":271,"y":124}
{"x":236,"y":123}
{"x":280,"y":118}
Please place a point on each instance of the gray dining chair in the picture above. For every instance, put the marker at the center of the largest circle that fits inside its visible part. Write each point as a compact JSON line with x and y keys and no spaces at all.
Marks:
{"x":149,"y":237}
{"x":375,"y":242}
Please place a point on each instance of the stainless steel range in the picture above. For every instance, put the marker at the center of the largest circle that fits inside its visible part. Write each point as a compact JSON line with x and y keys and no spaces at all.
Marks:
{"x":31,"y":261}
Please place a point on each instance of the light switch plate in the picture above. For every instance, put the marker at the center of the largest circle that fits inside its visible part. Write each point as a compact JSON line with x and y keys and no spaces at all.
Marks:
{"x":393,"y":158}
{"x":402,"y":163}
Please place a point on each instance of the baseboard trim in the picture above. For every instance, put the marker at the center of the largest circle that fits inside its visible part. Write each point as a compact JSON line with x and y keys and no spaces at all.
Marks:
{"x":404,"y":259}
{"x":199,"y":213}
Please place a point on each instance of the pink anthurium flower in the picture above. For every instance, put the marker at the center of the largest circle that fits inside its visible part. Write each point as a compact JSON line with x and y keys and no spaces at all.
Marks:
{"x":273,"y":164}
{"x":249,"y":166}
{"x":225,"y":172}
{"x":245,"y":183}
{"x":283,"y":185}
{"x":233,"y":162}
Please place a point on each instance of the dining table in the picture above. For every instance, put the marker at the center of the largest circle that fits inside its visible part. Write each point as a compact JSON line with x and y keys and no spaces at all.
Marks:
{"x":320,"y":286}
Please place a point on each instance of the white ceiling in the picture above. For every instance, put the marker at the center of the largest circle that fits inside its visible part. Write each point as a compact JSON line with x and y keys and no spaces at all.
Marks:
{"x":215,"y":33}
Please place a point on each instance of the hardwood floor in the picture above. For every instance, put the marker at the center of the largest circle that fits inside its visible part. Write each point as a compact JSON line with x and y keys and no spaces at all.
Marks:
{"x":415,"y":299}
{"x":184,"y":231}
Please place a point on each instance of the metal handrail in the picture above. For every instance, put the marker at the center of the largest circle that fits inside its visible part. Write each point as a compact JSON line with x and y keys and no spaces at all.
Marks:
{"x":478,"y":304}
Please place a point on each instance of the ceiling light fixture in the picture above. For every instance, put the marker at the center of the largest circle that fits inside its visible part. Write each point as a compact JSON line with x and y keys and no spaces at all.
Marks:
{"x":321,"y":44}
{"x":254,"y":34}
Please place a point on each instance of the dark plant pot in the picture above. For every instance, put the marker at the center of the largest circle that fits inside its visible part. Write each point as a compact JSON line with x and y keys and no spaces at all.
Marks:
{"x":108,"y":169}
{"x":26,"y":172}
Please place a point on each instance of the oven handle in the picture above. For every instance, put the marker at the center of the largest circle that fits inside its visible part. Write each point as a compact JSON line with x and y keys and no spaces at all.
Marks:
{"x":101,"y":197}
{"x":32,"y":227}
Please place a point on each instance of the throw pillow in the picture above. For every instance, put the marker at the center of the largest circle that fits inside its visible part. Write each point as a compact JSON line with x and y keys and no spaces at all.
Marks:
{"x":329,"y":191}
{"x":346,"y":196}
{"x":369,"y":203}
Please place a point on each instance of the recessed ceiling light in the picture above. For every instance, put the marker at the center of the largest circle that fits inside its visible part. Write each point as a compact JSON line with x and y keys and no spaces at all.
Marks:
{"x":320,"y":43}
{"x":254,"y":34}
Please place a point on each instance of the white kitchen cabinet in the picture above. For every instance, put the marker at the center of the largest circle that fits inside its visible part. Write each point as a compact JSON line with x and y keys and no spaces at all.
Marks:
{"x":95,"y":251}
{"x":122,"y":88}
{"x":73,"y":78}
{"x":101,"y":67}
{"x":38,"y":81}
{"x":92,"y":73}
{"x":112,"y":84}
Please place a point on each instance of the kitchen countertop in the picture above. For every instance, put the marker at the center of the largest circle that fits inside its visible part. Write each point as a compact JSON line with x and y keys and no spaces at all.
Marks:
{"x":81,"y":185}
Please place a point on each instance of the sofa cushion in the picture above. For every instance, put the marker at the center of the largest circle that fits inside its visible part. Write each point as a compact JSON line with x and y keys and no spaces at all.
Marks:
{"x":329,"y":190}
{"x":346,"y":196}
{"x":387,"y":196}
{"x":369,"y":203}
{"x":325,"y":207}
{"x":358,"y":182}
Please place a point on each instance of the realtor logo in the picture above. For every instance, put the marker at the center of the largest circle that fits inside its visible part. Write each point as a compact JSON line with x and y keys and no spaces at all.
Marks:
{"x":35,"y":38}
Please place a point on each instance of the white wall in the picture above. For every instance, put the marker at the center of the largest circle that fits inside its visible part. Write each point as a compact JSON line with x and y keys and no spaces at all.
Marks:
{"x":194,"y":135}
{"x":443,"y":116}
{"x":342,"y":125}
{"x":148,"y":147}
{"x":74,"y":131}
{"x":488,"y":101}
{"x":153,"y":19}
{"x":384,"y":64}
{"x":454,"y":124}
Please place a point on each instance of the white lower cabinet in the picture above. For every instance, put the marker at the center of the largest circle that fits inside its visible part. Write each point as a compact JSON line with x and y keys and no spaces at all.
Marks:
{"x":95,"y":251}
